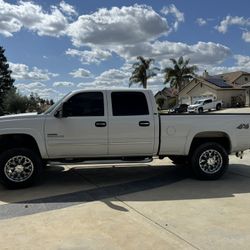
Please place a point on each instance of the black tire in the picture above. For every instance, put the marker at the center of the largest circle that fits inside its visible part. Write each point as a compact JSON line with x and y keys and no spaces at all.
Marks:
{"x":218,"y":106}
{"x":179,"y":159}
{"x":200,"y":110}
{"x":218,"y":157}
{"x":19,"y":168}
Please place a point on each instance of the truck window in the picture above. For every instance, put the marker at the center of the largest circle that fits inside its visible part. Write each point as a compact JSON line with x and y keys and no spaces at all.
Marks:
{"x":86,"y":104}
{"x":129,"y":103}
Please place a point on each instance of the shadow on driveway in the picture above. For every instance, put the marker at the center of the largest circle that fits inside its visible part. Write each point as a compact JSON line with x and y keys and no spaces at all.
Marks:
{"x":64,"y":188}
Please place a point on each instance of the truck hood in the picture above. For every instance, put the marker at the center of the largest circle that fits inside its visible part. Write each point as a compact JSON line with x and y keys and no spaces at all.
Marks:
{"x":193,"y":106}
{"x":18,"y":116}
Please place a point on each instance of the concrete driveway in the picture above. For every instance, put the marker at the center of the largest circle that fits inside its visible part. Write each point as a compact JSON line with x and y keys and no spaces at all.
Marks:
{"x":145,"y":206}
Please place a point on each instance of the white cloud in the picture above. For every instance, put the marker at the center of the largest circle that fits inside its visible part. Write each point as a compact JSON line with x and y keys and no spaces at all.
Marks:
{"x":246,"y":36}
{"x":33,"y":85}
{"x":112,"y":78}
{"x":95,"y":55}
{"x":81,"y":73}
{"x":47,"y":93}
{"x":232,"y":20}
{"x":119,"y":79}
{"x":179,"y":16}
{"x":23,"y":72}
{"x":125,"y":25}
{"x":199,"y":53}
{"x":242,"y":63}
{"x":14,"y":17}
{"x":39,"y":88}
{"x":201,"y":22}
{"x":87,"y":85}
{"x":63,"y":84}
{"x":156,"y":80}
{"x":112,"y":74}
{"x":67,"y":8}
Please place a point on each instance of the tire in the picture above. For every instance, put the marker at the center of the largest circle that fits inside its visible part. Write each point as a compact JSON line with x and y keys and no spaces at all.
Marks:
{"x":218,"y":106}
{"x":200,"y":110}
{"x":209,"y":161}
{"x":179,"y":159}
{"x":19,"y":168}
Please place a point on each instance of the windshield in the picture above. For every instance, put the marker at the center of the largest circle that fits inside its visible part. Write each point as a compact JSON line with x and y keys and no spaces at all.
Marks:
{"x":198,"y":102}
{"x":51,"y":108}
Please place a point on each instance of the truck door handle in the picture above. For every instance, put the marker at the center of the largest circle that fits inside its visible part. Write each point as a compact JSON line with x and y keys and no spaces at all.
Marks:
{"x":144,"y":123}
{"x":100,"y":124}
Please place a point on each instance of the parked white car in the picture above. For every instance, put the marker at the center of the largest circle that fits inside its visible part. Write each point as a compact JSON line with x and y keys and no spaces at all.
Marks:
{"x":204,"y":105}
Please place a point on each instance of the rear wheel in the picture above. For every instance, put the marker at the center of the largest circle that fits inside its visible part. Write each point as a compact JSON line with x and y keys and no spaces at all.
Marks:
{"x":218,"y":106}
{"x":19,"y":168}
{"x":209,"y":161}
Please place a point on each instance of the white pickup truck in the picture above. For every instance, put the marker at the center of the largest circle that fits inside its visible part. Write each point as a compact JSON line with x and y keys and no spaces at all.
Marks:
{"x":116,"y":125}
{"x":204,"y":105}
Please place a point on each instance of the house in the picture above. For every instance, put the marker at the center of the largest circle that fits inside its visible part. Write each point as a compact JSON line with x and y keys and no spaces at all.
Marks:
{"x":237,"y":78}
{"x":225,"y":87}
{"x":247,"y":93}
{"x":168,"y":96}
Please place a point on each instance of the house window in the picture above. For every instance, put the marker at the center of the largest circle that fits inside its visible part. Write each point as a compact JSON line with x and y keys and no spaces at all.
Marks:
{"x":246,"y":79}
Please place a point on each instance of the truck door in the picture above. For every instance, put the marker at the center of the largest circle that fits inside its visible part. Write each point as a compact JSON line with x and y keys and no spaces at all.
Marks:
{"x":84,"y":132}
{"x":131,"y":124}
{"x":208,"y":104}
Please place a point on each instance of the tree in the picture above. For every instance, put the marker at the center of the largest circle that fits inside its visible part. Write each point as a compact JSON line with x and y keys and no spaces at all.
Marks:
{"x":142,"y":71}
{"x":34,"y":103}
{"x":180,"y":73}
{"x":6,"y":81}
{"x":160,"y":101}
{"x":15,"y":103}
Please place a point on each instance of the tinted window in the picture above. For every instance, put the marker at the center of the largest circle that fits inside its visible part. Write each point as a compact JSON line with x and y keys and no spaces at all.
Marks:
{"x":129,"y":103}
{"x":86,"y":104}
{"x":207,"y":101}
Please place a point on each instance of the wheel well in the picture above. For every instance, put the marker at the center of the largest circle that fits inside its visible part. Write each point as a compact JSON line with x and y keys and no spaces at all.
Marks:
{"x":17,"y":141}
{"x":218,"y":137}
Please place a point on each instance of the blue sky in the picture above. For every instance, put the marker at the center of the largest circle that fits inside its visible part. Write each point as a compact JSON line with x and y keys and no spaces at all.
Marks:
{"x":57,"y":46}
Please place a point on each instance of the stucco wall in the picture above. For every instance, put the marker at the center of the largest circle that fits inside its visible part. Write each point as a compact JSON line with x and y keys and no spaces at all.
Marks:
{"x":196,"y":91}
{"x":226,"y":96}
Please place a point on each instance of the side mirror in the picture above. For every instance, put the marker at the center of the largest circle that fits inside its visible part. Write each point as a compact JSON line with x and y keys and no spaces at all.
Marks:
{"x":59,"y":113}
{"x":64,"y":111}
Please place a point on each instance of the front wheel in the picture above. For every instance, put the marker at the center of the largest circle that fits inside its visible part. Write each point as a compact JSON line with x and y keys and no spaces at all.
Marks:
{"x":19,"y":168}
{"x":200,"y":110}
{"x":209,"y":161}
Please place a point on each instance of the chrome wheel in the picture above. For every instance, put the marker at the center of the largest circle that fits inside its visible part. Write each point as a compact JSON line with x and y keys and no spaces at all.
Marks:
{"x":210,"y":161}
{"x":18,"y":168}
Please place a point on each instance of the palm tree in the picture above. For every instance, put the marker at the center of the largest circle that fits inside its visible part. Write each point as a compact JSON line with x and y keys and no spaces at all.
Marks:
{"x":180,"y":73}
{"x":142,"y":71}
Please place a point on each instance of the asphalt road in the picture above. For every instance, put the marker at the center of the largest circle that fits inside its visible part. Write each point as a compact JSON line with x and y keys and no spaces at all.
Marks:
{"x":147,"y":206}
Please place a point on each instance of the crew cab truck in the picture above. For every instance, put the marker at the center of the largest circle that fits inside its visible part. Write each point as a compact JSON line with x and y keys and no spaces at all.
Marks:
{"x":204,"y":104}
{"x":116,"y":125}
